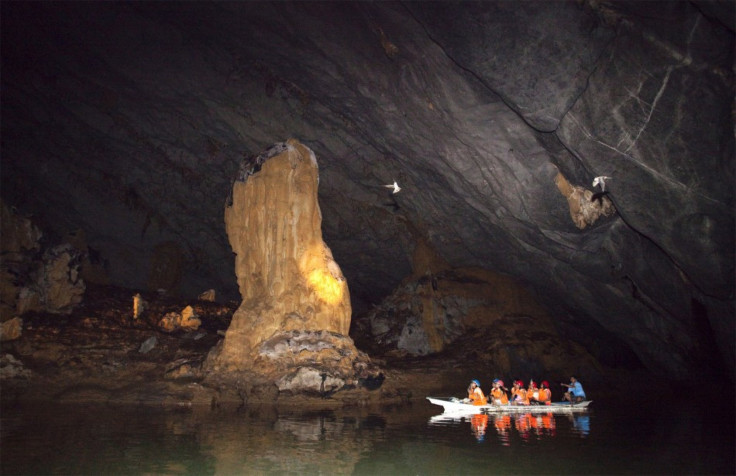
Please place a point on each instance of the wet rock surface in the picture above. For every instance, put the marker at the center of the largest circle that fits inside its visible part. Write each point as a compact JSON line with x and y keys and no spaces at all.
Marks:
{"x":100,"y":352}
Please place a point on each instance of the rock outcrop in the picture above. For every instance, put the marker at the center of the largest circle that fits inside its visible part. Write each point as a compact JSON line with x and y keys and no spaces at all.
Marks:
{"x":187,"y":320}
{"x":11,"y":329}
{"x":584,"y":209}
{"x":33,"y":278}
{"x":489,"y":316}
{"x":294,"y":318}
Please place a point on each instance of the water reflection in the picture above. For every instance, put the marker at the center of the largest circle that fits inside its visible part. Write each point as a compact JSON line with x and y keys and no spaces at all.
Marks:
{"x":83,"y":439}
{"x":136,"y":440}
{"x":581,"y":424}
{"x":527,"y":426}
{"x":318,"y":443}
{"x":479,"y":424}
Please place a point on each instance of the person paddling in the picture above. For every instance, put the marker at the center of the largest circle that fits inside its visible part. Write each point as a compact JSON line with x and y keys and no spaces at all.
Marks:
{"x":575,"y":394}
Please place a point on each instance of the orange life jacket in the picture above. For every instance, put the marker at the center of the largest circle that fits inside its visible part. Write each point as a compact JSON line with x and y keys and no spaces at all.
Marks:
{"x":545,"y":395}
{"x":521,"y":397}
{"x":499,"y":394}
{"x":477,"y":397}
{"x":530,"y":393}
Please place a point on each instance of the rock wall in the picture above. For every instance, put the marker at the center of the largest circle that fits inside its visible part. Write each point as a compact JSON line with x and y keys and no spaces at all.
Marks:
{"x":33,"y":278}
{"x":295,"y":314}
{"x":478,"y":314}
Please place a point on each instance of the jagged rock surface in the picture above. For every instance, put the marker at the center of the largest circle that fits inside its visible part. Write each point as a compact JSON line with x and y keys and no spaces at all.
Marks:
{"x":33,"y":278}
{"x":430,"y":314}
{"x":474,"y":108}
{"x":293,"y":322}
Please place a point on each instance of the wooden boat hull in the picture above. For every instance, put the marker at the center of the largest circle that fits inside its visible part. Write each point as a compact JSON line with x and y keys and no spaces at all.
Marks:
{"x":456,"y":406}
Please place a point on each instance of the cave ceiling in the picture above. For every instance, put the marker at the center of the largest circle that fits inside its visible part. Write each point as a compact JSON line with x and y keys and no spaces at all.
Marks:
{"x":129,"y":121}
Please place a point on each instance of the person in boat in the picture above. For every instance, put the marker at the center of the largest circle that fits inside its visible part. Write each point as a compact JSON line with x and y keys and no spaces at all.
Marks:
{"x":545,"y":394}
{"x":575,"y":394}
{"x":519,"y":394}
{"x":475,"y":394}
{"x":498,"y":393}
{"x":532,"y":393}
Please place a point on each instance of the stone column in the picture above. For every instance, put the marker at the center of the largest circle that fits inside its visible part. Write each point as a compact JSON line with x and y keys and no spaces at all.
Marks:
{"x":295,"y":314}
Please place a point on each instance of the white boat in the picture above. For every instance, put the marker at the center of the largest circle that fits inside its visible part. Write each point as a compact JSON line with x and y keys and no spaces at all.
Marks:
{"x":456,"y":406}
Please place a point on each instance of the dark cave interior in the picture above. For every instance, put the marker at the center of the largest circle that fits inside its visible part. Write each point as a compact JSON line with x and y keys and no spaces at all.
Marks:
{"x":124,"y":126}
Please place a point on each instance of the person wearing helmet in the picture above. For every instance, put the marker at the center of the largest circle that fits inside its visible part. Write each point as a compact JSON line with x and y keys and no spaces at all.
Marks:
{"x":518,"y":394}
{"x":545,"y":394}
{"x":575,"y":394}
{"x":475,"y":394}
{"x":532,"y":393}
{"x":498,"y":394}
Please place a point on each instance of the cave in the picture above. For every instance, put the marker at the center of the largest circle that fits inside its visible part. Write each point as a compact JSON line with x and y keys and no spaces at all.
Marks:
{"x":566,"y":174}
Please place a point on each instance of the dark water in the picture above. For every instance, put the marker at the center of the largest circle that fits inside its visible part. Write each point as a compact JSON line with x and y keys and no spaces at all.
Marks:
{"x":609,"y":439}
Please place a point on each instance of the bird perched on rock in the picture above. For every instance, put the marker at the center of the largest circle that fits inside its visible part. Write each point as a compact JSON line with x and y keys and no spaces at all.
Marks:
{"x":601,"y":181}
{"x":395,"y":186}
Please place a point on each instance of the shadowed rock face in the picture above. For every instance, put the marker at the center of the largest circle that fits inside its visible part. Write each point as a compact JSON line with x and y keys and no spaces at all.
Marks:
{"x":130,"y":121}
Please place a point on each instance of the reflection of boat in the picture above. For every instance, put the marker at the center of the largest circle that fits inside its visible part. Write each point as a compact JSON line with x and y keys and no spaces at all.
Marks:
{"x":456,"y":406}
{"x":526,"y":425}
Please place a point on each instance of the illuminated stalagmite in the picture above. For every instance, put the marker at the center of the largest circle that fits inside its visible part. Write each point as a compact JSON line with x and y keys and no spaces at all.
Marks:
{"x":293,"y":322}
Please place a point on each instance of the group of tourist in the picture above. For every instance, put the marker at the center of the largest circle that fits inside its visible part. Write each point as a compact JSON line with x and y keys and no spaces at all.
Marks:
{"x":519,"y":395}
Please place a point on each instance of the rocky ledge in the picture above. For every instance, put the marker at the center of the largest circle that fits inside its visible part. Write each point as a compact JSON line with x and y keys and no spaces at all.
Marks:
{"x":102,"y":352}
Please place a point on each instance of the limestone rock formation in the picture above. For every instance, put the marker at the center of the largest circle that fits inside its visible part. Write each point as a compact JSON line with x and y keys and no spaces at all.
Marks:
{"x":139,"y":305}
{"x":59,"y":284}
{"x":187,"y":319}
{"x":209,"y":295}
{"x":512,"y":333}
{"x":295,"y":314}
{"x":11,"y":329}
{"x":584,"y":210}
{"x":32,"y":278}
{"x":12,"y":368}
{"x":19,"y":243}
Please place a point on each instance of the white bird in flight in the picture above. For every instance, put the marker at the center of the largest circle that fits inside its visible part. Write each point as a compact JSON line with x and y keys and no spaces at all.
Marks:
{"x":395,"y":186}
{"x":601,"y":181}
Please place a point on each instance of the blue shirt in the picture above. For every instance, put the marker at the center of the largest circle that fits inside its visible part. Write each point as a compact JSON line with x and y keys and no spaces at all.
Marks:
{"x":577,"y":390}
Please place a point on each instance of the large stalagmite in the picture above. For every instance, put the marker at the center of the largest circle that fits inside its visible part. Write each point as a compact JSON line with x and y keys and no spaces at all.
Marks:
{"x":292,"y":324}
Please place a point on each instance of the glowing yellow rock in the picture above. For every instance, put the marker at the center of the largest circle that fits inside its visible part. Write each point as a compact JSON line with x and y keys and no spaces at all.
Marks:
{"x":286,"y":273}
